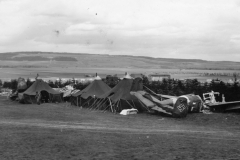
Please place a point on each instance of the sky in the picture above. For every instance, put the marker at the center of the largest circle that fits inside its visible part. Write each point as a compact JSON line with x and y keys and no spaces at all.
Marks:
{"x":187,"y":29}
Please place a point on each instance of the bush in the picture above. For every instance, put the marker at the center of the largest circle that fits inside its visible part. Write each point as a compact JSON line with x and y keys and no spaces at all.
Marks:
{"x":172,"y":87}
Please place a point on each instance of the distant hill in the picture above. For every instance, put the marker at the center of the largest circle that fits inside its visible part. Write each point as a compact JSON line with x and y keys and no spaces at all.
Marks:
{"x":84,"y":60}
{"x":33,"y":56}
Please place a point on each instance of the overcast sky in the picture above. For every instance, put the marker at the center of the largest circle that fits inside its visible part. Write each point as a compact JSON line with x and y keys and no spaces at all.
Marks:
{"x":192,"y":29}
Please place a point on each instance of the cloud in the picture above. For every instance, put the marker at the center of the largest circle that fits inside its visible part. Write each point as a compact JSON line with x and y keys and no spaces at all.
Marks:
{"x":203,"y":29}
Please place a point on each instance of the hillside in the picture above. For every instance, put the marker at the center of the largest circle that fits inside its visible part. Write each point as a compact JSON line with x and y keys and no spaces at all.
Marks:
{"x":53,"y":59}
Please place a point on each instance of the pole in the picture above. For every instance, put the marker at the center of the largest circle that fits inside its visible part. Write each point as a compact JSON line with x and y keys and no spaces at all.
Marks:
{"x":100,"y":102}
{"x":87,"y":101}
{"x":110,"y":104}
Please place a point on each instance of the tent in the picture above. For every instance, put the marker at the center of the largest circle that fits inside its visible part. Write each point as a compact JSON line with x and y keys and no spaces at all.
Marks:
{"x":48,"y":94}
{"x":120,"y":98}
{"x":93,"y":91}
{"x":122,"y":90}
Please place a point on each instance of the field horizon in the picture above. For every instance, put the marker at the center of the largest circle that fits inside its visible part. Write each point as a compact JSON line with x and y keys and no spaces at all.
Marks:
{"x":73,"y":65}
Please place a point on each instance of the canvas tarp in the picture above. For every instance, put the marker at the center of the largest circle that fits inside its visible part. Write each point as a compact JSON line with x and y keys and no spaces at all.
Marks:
{"x":38,"y":86}
{"x":122,"y":90}
{"x":94,"y":90}
{"x":117,"y":98}
{"x":47,"y":93}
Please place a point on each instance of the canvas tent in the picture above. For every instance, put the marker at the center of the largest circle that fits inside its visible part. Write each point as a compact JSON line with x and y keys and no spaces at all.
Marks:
{"x":122,"y":90}
{"x":42,"y":87}
{"x":120,"y":98}
{"x":92,"y":91}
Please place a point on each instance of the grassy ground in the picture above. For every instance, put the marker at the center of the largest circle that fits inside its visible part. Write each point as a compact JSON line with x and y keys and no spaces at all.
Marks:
{"x":60,"y":131}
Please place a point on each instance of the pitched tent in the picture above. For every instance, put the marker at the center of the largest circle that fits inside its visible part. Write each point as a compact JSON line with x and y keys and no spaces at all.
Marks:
{"x":39,"y":85}
{"x":93,"y":90}
{"x":120,"y":97}
{"x":122,"y":90}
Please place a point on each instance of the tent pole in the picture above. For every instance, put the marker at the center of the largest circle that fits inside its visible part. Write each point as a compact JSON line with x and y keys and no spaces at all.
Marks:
{"x":106,"y":108}
{"x":104,"y":102}
{"x":103,"y":109}
{"x":94,"y":102}
{"x":98,"y":104}
{"x":117,"y":108}
{"x":101,"y":106}
{"x":114,"y":107}
{"x":110,"y":104}
{"x":87,"y":101}
{"x":90,"y":104}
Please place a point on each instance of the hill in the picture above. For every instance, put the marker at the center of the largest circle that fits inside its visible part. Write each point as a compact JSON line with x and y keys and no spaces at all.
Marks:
{"x":62,"y":59}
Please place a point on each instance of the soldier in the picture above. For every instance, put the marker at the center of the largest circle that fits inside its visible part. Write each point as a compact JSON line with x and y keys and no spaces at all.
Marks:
{"x":38,"y":97}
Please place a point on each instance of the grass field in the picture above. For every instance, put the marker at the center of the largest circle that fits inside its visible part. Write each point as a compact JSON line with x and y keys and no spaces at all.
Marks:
{"x":108,"y":64}
{"x":60,"y":131}
{"x":80,"y":72}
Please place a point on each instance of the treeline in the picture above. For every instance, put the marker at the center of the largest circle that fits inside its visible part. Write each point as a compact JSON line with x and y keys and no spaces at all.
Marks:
{"x":177,"y":87}
{"x":172,"y":87}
